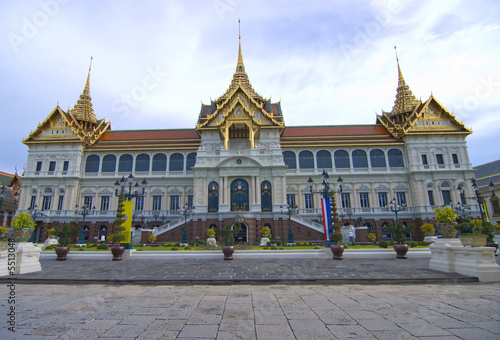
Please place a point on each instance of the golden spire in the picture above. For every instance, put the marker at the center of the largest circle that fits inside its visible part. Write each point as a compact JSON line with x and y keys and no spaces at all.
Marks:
{"x":239,"y":66}
{"x":405,"y":100}
{"x":83,"y":109}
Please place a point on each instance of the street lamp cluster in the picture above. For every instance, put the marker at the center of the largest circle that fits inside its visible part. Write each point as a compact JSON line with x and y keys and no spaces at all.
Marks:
{"x":477,"y":195}
{"x":124,"y":182}
{"x":396,"y":207}
{"x":326,"y":185}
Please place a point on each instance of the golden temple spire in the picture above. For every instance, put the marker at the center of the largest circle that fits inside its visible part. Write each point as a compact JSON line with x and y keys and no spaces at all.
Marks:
{"x":240,"y":67}
{"x":405,"y":100}
{"x":83,"y":109}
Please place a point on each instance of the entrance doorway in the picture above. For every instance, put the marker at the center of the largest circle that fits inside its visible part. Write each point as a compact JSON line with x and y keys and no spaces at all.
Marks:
{"x":242,"y":236}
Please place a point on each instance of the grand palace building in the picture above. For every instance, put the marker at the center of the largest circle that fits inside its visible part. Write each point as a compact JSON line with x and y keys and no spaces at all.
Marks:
{"x":242,"y":160}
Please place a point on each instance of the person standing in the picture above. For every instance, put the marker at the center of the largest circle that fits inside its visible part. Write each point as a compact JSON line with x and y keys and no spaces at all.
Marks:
{"x":351,"y":236}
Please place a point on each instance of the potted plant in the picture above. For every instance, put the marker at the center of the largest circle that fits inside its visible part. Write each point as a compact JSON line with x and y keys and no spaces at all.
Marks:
{"x":65,"y":236}
{"x":372,"y":237}
{"x":445,"y":221}
{"x":118,"y":235}
{"x":428,"y":229}
{"x":399,"y":233}
{"x":265,"y":232}
{"x":211,"y":237}
{"x":228,"y":233}
{"x":473,"y":235}
{"x":337,"y":248}
{"x":23,"y":226}
{"x":51,"y":233}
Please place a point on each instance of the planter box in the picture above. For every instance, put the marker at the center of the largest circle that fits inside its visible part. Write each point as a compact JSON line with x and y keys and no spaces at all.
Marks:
{"x":473,"y":241}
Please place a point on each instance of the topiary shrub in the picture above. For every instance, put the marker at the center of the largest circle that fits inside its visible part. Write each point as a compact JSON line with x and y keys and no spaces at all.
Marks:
{"x":413,"y":244}
{"x":383,"y":244}
{"x":102,"y":246}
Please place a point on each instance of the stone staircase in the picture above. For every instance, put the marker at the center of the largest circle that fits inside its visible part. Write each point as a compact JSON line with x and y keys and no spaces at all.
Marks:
{"x":170,"y":225}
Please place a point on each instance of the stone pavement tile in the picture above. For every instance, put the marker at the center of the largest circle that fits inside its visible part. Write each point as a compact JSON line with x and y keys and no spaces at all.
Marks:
{"x":314,"y":334}
{"x":299,"y":313}
{"x":238,"y":314}
{"x":334,"y":317}
{"x":378,"y":325}
{"x":166,"y":325}
{"x":199,"y":331}
{"x":5,"y":334}
{"x":176,"y":314}
{"x":306,"y":324}
{"x":209,"y":310}
{"x":138,"y":320}
{"x":474,"y":333}
{"x":119,"y":331}
{"x":51,"y":328}
{"x":76,"y":333}
{"x":422,"y":329}
{"x":269,"y":316}
{"x":158,"y":335}
{"x":149,"y":311}
{"x":395,"y":335}
{"x":235,"y":335}
{"x":203,"y":319}
{"x":274,"y":332}
{"x":349,"y":331}
{"x":98,"y":324}
{"x":442,"y":320}
{"x":37,"y":337}
{"x":364,"y":315}
{"x":491,"y":326}
{"x":402,"y":317}
{"x":111,"y":314}
{"x":237,"y":325}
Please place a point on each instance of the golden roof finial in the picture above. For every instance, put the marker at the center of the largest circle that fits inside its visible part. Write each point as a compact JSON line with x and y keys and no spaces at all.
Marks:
{"x":83,"y":109}
{"x":405,"y":100}
{"x":239,"y":66}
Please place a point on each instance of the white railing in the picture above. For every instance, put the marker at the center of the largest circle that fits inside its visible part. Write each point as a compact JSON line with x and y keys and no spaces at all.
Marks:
{"x":170,"y":225}
{"x":308,"y":223}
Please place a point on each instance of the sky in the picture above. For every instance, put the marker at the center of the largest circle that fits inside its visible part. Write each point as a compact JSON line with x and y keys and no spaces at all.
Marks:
{"x":329,"y":62}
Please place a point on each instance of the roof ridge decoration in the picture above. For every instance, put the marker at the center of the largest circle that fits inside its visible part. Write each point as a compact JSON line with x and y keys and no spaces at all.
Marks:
{"x":83,"y":109}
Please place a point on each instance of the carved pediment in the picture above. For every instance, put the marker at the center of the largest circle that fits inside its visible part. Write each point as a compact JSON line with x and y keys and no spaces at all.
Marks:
{"x":239,"y":162}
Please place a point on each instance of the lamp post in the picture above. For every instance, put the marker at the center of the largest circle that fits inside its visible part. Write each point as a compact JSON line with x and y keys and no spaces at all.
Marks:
{"x":477,"y":196}
{"x":185,"y":211}
{"x":396,"y":207}
{"x":121,"y":185}
{"x":325,"y":192}
{"x":289,"y":211}
{"x":83,"y":212}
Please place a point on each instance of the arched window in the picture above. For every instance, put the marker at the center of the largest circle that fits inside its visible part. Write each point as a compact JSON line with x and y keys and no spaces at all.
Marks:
{"x":190,"y":160}
{"x":377,"y":158}
{"x":290,"y":160}
{"x":324,"y":159}
{"x":108,"y":163}
{"x":341,"y":158}
{"x":306,"y":160}
{"x":92,"y":163}
{"x":239,"y":195}
{"x":159,"y":162}
{"x":213,"y":197}
{"x":395,"y":158}
{"x":266,"y":196}
{"x":359,"y":159}
{"x":125,"y":163}
{"x":142,"y":162}
{"x":176,"y":162}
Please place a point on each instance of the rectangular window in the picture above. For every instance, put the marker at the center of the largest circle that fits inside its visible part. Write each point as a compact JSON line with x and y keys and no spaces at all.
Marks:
{"x":47,"y":201}
{"x":430,"y":194}
{"x":190,"y":202}
{"x":346,"y":200}
{"x":32,"y":203}
{"x":156,"y":202}
{"x":382,"y":199}
{"x":401,"y":198}
{"x":446,"y":197}
{"x":139,"y":203}
{"x":364,"y":200}
{"x":298,"y":229}
{"x":60,"y":203}
{"x":174,"y":202}
{"x":104,"y":203}
{"x":495,"y":207}
{"x":52,"y":167}
{"x":87,"y":201}
{"x":454,"y":156}
{"x":308,"y":198}
{"x":424,"y":160}
{"x":440,"y":160}
{"x":38,"y":167}
{"x":65,"y":167}
{"x":290,"y":200}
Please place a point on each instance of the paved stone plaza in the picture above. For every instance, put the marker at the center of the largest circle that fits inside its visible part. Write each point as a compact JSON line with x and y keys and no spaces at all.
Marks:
{"x":306,"y":296}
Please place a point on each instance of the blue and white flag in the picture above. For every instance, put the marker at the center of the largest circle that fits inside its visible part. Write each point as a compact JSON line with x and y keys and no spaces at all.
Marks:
{"x":327,"y":214}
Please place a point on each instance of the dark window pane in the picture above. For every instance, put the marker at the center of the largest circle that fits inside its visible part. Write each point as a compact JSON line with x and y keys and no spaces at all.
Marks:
{"x":359,"y":159}
{"x":125,"y":163}
{"x":92,"y":163}
{"x":377,"y":158}
{"x":341,"y":159}
{"x":160,"y":162}
{"x":190,"y":160}
{"x":324,"y":159}
{"x":306,"y":160}
{"x":289,"y":159}
{"x":395,"y":158}
{"x":142,"y":162}
{"x":108,"y":163}
{"x":176,"y":162}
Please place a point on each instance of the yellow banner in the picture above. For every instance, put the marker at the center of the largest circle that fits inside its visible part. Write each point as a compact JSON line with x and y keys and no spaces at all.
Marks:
{"x":127,"y":205}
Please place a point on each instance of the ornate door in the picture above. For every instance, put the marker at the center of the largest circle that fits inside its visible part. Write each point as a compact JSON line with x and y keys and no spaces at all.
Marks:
{"x":239,"y":195}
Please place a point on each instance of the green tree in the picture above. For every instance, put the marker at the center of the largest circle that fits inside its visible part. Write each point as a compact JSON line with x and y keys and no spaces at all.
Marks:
{"x":23,"y":220}
{"x":118,"y":236}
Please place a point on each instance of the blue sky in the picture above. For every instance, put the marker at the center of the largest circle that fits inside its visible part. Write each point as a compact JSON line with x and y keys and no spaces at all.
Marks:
{"x":329,"y":62}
